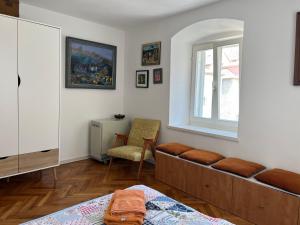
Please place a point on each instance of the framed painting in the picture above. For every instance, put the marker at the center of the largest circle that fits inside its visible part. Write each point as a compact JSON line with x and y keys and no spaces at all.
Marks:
{"x":142,"y":78}
{"x":157,"y":76}
{"x":297,"y":53}
{"x":90,"y":64}
{"x":151,"y":54}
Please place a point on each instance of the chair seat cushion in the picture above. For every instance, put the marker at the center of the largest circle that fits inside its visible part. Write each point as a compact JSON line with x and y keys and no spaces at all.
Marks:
{"x":283,"y":179}
{"x":173,"y":148}
{"x":201,"y":156}
{"x":239,"y":167}
{"x":129,"y":152}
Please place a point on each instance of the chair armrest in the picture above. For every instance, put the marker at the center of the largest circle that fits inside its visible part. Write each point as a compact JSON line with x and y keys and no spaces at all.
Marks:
{"x":121,"y":137}
{"x":149,"y":142}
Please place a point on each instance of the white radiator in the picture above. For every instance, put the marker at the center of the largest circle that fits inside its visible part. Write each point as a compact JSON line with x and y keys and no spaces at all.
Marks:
{"x":102,"y":136}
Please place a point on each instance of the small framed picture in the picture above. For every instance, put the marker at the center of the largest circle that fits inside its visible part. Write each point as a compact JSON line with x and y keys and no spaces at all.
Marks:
{"x":142,"y":78}
{"x":151,"y":54}
{"x":158,"y":76}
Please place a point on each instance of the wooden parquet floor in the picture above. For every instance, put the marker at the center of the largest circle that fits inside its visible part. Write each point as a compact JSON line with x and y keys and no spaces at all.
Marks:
{"x":34,"y":195}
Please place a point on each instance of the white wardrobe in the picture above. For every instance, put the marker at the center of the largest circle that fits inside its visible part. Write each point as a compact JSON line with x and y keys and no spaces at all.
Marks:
{"x":29,"y":96}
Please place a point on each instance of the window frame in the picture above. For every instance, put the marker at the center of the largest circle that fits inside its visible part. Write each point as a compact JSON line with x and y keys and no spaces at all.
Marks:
{"x":214,"y":122}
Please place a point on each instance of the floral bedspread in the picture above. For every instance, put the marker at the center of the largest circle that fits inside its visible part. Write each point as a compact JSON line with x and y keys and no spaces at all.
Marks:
{"x":161,"y":210}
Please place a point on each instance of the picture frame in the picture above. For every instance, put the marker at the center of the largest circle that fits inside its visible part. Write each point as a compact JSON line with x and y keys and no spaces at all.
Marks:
{"x":142,"y":78}
{"x":90,"y":65}
{"x":151,"y":53}
{"x":297,"y":53}
{"x":158,"y":76}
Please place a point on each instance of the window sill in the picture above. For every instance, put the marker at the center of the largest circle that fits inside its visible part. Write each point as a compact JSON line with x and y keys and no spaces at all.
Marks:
{"x":226,"y":135}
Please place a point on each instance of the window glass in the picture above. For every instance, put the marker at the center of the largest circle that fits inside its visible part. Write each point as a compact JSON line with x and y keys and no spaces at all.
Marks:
{"x":229,"y":77}
{"x":204,"y":83}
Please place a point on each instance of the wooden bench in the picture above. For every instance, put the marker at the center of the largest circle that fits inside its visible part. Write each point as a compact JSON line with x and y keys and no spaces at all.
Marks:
{"x":245,"y":197}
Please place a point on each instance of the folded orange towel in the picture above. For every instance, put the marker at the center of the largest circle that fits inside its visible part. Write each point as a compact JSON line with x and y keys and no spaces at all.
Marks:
{"x":128,"y":201}
{"x":129,"y":208}
{"x":125,"y":219}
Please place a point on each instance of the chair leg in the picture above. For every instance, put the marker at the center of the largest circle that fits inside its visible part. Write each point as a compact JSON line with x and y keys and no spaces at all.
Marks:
{"x":140,"y":168}
{"x":109,"y":166}
{"x":146,"y":144}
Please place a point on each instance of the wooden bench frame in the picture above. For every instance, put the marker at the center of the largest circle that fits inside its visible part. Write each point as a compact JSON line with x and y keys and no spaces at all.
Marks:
{"x":247,"y":198}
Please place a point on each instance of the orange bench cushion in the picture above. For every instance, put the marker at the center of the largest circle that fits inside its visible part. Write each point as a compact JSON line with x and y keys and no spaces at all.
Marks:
{"x":201,"y":156}
{"x":239,"y":167}
{"x":173,"y":148}
{"x":283,"y":179}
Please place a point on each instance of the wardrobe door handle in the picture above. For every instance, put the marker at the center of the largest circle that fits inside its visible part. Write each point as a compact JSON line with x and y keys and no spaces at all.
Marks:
{"x":19,"y":81}
{"x":2,"y":158}
{"x":46,"y":151}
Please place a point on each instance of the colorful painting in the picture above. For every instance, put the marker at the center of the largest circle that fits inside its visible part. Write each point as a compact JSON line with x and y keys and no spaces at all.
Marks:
{"x":90,"y":64}
{"x":142,"y":78}
{"x":157,"y":76}
{"x":151,"y":54}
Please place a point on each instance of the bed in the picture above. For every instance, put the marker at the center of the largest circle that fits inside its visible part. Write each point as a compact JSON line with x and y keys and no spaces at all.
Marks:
{"x":161,"y":210}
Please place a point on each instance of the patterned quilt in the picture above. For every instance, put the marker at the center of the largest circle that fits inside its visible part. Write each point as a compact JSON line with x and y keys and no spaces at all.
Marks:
{"x":161,"y":210}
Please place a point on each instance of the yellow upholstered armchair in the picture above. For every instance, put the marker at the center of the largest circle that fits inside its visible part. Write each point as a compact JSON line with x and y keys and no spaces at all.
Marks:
{"x":139,"y":145}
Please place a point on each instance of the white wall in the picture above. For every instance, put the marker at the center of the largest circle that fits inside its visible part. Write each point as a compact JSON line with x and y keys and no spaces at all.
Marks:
{"x":79,"y":106}
{"x":270,"y":104}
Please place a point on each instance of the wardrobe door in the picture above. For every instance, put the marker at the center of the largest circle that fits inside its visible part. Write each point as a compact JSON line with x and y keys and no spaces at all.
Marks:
{"x":8,"y":97}
{"x":38,"y":63}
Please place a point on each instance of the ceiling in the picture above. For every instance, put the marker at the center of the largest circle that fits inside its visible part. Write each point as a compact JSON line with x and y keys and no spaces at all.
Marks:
{"x":119,"y":13}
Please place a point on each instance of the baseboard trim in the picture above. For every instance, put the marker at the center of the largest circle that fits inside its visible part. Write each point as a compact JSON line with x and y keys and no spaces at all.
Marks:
{"x":89,"y":157}
{"x":74,"y":159}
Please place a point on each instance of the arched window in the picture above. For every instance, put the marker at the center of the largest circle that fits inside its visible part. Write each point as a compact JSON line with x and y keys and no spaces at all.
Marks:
{"x":205,"y":76}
